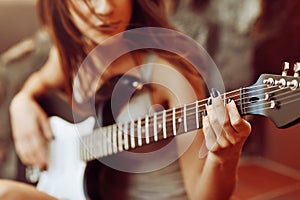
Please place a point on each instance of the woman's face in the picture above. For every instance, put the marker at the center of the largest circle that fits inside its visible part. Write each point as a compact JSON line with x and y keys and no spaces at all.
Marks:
{"x":110,"y":17}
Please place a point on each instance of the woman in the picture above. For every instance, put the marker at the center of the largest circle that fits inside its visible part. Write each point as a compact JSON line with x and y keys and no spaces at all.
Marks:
{"x":76,"y":27}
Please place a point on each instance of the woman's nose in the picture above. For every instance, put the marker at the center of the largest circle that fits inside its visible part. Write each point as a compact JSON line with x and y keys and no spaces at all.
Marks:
{"x":103,"y":7}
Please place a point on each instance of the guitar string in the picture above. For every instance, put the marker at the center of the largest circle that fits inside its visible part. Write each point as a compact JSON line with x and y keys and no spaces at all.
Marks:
{"x":277,"y":96}
{"x":271,"y":93}
{"x":169,"y":112}
{"x":285,"y":103}
{"x":189,"y":107}
{"x":112,"y":148}
{"x":116,"y":128}
{"x":227,"y":97}
{"x":270,"y":103}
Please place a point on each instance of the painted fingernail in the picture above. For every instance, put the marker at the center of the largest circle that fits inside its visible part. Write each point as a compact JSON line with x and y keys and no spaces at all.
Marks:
{"x":228,"y":100}
{"x":209,"y":101}
{"x":214,"y":92}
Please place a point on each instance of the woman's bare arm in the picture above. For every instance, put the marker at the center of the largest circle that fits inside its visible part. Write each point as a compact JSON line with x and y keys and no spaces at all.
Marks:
{"x":30,"y":127}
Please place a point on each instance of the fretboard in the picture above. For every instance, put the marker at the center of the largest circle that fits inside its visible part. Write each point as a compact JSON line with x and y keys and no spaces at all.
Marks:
{"x":152,"y":128}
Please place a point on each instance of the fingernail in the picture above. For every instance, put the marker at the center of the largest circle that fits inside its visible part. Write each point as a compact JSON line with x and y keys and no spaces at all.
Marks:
{"x":209,"y":101}
{"x":214,"y":92}
{"x":228,"y":101}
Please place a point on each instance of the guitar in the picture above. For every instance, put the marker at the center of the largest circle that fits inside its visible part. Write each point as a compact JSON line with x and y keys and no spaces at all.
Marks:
{"x":274,"y":96}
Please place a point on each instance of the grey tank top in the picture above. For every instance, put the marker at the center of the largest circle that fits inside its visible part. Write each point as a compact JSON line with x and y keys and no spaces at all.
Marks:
{"x":153,"y":175}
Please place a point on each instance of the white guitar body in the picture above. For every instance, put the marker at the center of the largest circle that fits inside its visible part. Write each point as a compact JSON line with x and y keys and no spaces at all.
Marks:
{"x":64,"y":178}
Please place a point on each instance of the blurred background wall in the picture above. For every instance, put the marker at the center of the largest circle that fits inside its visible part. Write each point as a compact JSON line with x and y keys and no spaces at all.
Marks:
{"x":17,"y":20}
{"x":23,"y":49}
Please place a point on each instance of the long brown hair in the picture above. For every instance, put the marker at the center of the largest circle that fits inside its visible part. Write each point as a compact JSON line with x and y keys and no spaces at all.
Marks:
{"x":54,"y":15}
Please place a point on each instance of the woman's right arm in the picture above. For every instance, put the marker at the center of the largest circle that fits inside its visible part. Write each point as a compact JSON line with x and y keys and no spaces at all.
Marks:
{"x":30,"y":127}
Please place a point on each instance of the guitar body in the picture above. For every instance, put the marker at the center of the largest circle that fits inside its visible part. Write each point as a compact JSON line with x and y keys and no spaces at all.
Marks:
{"x":64,"y":178}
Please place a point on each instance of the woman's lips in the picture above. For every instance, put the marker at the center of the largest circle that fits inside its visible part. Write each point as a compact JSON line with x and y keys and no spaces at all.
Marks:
{"x":108,"y":27}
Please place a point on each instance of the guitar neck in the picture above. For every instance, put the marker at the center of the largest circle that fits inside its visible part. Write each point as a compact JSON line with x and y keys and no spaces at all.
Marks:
{"x":159,"y":126}
{"x":276,"y":97}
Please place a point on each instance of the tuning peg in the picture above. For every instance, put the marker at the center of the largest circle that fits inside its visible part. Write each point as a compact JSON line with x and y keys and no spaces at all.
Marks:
{"x":296,"y":69}
{"x":293,"y":84}
{"x":285,"y":68}
{"x":269,"y":82}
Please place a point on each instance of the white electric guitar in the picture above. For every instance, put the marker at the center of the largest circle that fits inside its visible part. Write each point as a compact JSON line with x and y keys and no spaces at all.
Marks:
{"x":274,"y":96}
{"x":64,"y":177}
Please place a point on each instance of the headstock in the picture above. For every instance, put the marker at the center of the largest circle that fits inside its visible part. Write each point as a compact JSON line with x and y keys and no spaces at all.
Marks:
{"x":275,"y":96}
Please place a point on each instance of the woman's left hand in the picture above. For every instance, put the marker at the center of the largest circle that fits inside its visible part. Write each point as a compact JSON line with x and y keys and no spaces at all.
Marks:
{"x":225,"y":131}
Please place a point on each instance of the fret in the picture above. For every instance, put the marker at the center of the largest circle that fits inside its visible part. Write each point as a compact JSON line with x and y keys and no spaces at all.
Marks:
{"x":99,"y":146}
{"x":126,"y":140}
{"x":224,"y":99}
{"x":114,"y":139}
{"x":197,"y":115}
{"x":120,"y":141}
{"x":139,"y":133}
{"x":88,"y":147}
{"x":95,"y":150}
{"x":109,"y":139}
{"x":184,"y":118}
{"x":104,"y":142}
{"x":83,"y":148}
{"x":147,"y":129}
{"x":174,"y":121}
{"x":164,"y":125}
{"x":84,"y":142}
{"x":242,"y":101}
{"x":132,"y":139}
{"x":155,"y":126}
{"x":100,"y":138}
{"x":95,"y":146}
{"x":92,"y":146}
